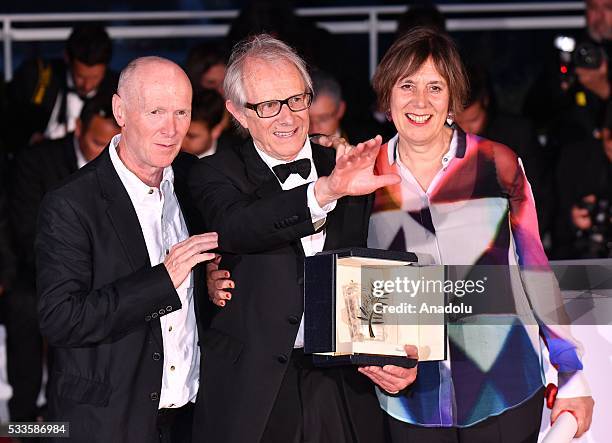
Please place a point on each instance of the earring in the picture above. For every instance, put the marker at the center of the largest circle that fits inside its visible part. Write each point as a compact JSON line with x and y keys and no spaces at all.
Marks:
{"x":389,"y":117}
{"x":449,"y":119}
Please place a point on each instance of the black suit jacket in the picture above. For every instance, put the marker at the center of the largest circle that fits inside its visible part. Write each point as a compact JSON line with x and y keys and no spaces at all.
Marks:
{"x":36,"y":170}
{"x":246,"y":347}
{"x":583,"y":168}
{"x":99,"y":308}
{"x":519,"y":135}
{"x":7,"y":257}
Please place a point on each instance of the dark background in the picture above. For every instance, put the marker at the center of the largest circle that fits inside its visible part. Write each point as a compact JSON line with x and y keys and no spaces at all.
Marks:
{"x":513,"y":58}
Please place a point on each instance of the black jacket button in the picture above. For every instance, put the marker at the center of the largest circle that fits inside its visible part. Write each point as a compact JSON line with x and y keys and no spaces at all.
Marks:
{"x":148,"y":318}
{"x":156,"y":356}
{"x":293,"y":320}
{"x":282,"y":358}
{"x":154,"y":396}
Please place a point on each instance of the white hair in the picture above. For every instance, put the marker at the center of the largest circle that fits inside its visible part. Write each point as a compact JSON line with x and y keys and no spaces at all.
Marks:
{"x":261,"y":47}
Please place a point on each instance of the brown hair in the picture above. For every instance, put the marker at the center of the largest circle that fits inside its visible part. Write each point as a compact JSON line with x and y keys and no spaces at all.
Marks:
{"x":407,"y":55}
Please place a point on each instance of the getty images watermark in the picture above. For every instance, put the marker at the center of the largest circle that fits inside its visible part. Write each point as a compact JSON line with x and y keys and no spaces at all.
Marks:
{"x":417,"y":289}
{"x":563,"y":293}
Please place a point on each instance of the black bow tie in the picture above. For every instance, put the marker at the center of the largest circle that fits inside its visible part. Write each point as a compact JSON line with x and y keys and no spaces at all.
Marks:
{"x":63,"y":110}
{"x":301,"y":166}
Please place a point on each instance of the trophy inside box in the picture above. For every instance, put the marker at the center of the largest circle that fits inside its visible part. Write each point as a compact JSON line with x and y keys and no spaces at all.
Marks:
{"x":346,"y":309}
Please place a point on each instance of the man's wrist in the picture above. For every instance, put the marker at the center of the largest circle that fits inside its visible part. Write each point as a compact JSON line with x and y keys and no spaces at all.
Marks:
{"x":322,"y":192}
{"x":317,"y":212}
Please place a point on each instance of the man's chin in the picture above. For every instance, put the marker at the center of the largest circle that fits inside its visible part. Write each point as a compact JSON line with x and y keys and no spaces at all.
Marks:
{"x":293,"y":146}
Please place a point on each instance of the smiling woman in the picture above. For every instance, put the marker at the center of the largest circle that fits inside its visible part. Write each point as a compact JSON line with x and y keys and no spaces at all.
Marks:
{"x":465,"y":200}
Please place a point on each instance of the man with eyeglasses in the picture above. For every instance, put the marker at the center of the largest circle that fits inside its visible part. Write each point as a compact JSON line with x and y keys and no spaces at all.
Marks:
{"x":274,"y":200}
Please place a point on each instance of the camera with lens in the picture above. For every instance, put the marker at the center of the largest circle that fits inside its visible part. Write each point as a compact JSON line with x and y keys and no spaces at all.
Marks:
{"x":588,"y":55}
{"x":596,"y":241}
{"x":585,"y":54}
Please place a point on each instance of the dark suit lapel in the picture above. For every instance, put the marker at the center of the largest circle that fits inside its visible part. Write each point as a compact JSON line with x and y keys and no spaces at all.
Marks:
{"x":181,"y":166}
{"x":324,"y":159}
{"x":122,"y":214}
{"x":264,"y":179}
{"x":258,"y":172}
{"x":123,"y":218}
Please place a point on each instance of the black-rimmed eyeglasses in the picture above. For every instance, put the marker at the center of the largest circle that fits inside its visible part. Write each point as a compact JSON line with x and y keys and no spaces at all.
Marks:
{"x":272,"y":108}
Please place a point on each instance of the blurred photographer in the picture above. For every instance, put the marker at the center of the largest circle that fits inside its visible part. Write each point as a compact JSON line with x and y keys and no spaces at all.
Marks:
{"x":567,"y":101}
{"x":594,"y":74}
{"x":592,"y":218}
{"x":584,"y":180}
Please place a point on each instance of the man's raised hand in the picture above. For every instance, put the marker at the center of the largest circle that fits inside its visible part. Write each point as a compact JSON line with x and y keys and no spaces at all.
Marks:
{"x":185,"y":255}
{"x":354,"y":173}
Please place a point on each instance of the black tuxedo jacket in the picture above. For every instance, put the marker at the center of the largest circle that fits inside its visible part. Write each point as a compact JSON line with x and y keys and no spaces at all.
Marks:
{"x":7,"y":256}
{"x":99,"y":308}
{"x":246,"y":348}
{"x":37,"y":170}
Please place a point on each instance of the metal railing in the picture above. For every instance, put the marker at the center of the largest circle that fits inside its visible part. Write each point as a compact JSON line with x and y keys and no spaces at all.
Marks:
{"x":370,"y":20}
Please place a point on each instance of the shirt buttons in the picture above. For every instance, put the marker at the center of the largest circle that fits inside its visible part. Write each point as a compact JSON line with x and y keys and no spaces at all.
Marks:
{"x":170,"y":329}
{"x":172,"y":368}
{"x":151,"y":191}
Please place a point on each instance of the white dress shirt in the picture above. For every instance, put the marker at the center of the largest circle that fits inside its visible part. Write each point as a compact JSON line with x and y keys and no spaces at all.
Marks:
{"x":314,"y":243}
{"x":163,"y":226}
{"x":74,"y":105}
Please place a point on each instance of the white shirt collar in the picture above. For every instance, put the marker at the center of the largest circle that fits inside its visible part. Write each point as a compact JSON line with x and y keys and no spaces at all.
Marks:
{"x":134,"y":186}
{"x":209,"y":151}
{"x":446,"y":158}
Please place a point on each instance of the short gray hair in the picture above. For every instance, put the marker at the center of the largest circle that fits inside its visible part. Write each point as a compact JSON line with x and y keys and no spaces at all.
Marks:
{"x":262,"y":47}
